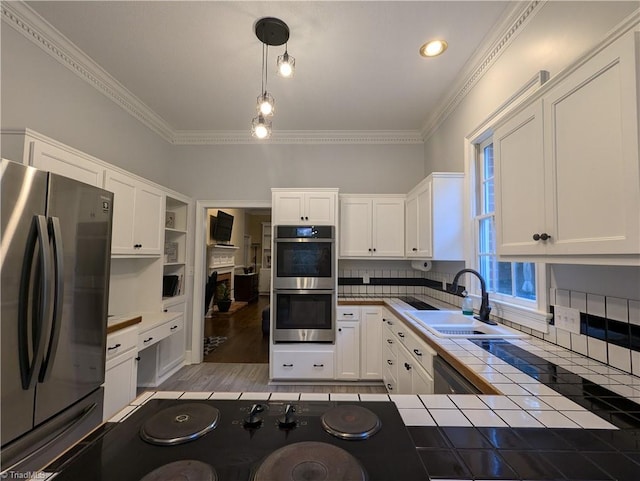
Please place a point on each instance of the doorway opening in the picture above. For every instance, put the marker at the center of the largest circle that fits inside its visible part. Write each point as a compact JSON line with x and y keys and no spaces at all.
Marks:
{"x":242,"y":263}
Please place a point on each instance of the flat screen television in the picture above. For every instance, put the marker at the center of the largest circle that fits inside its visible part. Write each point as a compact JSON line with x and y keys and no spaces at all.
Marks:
{"x":220,"y":227}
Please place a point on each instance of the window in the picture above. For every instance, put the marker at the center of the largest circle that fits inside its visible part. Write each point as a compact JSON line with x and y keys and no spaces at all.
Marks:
{"x":513,"y":282}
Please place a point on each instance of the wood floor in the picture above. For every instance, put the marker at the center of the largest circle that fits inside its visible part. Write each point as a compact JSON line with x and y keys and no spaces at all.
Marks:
{"x":243,"y":330}
{"x":246,"y":377}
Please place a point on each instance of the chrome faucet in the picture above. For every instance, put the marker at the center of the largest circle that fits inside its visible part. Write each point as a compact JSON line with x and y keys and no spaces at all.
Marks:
{"x":483,"y":315}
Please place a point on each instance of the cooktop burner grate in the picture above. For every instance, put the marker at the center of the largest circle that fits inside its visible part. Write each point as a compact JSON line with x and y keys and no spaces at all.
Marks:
{"x":180,"y":424}
{"x":310,"y":461}
{"x":350,"y":422}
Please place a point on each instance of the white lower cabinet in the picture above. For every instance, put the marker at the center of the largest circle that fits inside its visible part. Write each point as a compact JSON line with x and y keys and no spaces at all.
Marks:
{"x":358,"y":343}
{"x":301,"y":362}
{"x":120,"y":378}
{"x":161,"y":349}
{"x":407,"y":360}
{"x":371,"y":342}
{"x":171,"y":351}
{"x":348,"y":350}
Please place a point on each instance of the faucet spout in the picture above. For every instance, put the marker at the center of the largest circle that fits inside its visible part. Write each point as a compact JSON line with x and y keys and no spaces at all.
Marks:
{"x":483,"y":315}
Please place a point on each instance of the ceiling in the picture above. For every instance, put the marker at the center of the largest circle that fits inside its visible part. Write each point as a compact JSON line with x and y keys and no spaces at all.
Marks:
{"x":196,"y":66}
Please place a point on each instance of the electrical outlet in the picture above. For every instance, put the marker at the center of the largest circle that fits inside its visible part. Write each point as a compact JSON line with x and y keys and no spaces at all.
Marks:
{"x":567,"y":318}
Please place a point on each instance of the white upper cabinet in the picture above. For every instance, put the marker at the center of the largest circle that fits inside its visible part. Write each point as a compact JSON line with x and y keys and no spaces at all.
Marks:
{"x":434,"y":227}
{"x":567,"y":169}
{"x":47,"y":154}
{"x":371,"y":226}
{"x":308,"y":207}
{"x":138,"y":216}
{"x":519,"y":171}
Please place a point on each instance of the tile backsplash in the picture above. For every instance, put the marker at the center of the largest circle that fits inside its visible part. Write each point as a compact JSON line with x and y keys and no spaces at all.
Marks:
{"x":609,"y":328}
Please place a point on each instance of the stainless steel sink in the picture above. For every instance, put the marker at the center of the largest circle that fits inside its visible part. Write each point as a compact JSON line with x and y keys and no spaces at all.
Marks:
{"x":452,"y":324}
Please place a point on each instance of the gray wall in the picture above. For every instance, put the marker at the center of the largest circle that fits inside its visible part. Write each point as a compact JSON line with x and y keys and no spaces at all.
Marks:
{"x":247,"y":172}
{"x":40,"y":93}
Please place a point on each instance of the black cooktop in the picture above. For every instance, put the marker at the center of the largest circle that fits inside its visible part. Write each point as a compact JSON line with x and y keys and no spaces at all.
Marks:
{"x":246,"y":441}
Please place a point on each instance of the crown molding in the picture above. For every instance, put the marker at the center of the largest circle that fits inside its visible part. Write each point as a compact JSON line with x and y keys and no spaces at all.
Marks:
{"x":26,"y":21}
{"x":513,"y":22}
{"x":299,"y":137}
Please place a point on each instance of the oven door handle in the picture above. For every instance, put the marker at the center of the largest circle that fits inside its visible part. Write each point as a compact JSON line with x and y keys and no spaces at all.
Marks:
{"x":302,"y":239}
{"x":304,"y":291}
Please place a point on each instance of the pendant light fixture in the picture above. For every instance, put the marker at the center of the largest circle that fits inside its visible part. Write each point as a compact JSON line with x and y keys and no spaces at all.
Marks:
{"x":270,"y":31}
{"x":286,"y":64}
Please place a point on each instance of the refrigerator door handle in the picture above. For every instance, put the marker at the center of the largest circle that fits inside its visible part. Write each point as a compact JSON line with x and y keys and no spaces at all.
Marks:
{"x":32,"y":317}
{"x":58,"y":299}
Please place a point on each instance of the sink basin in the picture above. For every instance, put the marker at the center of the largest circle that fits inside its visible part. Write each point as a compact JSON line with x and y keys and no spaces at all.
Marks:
{"x":452,"y":324}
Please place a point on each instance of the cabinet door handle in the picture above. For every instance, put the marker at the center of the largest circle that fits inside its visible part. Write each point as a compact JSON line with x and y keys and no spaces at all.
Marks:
{"x":389,"y":387}
{"x":148,"y":340}
{"x":407,"y":366}
{"x":415,"y":249}
{"x":389,"y":341}
{"x":339,"y":329}
{"x":318,"y":365}
{"x":389,"y":322}
{"x":418,"y":353}
{"x":287,"y":365}
{"x":137,"y":358}
{"x":543,"y":237}
{"x":374,"y":249}
{"x":400,"y":334}
{"x":173,"y":327}
{"x":301,"y":217}
{"x":114,"y":347}
{"x":390,"y":362}
{"x":306,"y":218}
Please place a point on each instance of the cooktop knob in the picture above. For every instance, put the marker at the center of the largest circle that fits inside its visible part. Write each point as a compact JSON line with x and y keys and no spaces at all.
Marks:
{"x":253,"y":420}
{"x":288,"y":421}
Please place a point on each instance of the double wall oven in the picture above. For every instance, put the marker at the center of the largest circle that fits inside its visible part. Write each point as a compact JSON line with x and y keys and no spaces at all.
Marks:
{"x":304,"y":284}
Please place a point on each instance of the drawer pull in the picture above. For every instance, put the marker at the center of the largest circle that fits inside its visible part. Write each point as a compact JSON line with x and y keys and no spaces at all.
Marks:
{"x":389,"y":341}
{"x":347,"y":314}
{"x":389,"y":322}
{"x":418,"y":353}
{"x":407,"y":366}
{"x":318,"y":365}
{"x":173,"y":328}
{"x":114,"y":347}
{"x":400,"y":334}
{"x":287,"y":365}
{"x":390,"y":362}
{"x":389,"y":387}
{"x":148,"y":340}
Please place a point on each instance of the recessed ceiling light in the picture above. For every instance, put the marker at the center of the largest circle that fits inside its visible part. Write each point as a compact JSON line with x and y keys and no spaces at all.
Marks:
{"x":433,"y":48}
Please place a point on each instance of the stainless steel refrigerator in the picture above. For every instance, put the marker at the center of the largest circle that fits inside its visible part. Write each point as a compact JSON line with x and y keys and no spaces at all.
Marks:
{"x":54,"y":262}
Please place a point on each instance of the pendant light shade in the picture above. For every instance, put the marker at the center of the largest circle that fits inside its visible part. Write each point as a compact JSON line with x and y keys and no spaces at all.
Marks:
{"x":266,"y":104}
{"x":286,"y":65}
{"x":261,"y":127}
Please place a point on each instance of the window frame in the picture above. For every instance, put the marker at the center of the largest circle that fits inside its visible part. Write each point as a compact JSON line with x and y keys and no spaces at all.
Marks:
{"x":482,"y":213}
{"x":531,"y":314}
